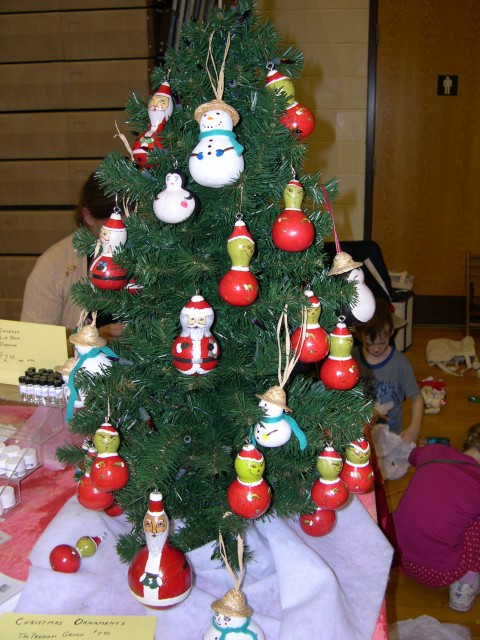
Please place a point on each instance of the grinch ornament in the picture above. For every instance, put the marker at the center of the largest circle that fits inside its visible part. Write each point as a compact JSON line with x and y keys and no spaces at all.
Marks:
{"x":159,"y":575}
{"x":109,"y":471}
{"x":232,"y":617}
{"x":316,"y":343}
{"x":297,"y":117}
{"x":196,"y":350}
{"x":357,"y":472}
{"x":293,"y":230}
{"x":87,"y":494}
{"x":339,"y":370}
{"x":104,"y":272}
{"x":239,"y":286}
{"x":276,"y":427}
{"x":66,"y":558}
{"x":249,"y":495}
{"x":160,"y":108}
{"x":217,"y":158}
{"x":175,"y":204}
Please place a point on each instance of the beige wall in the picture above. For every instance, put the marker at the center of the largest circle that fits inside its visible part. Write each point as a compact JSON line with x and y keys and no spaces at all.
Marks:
{"x":333,"y":36}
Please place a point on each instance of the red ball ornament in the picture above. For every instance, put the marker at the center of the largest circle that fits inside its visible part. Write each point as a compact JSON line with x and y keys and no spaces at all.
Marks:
{"x":238,"y":288}
{"x":90,"y":497}
{"x":330,"y":494}
{"x":357,"y":477}
{"x":318,"y":523}
{"x":249,"y":500}
{"x":114,"y":511}
{"x":293,"y":231}
{"x":65,"y":558}
{"x":105,"y":274}
{"x":299,"y":119}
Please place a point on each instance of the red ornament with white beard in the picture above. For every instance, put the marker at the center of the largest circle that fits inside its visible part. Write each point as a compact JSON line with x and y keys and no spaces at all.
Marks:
{"x":196,"y":350}
{"x":160,"y":108}
{"x":159,"y":575}
{"x":104,"y":272}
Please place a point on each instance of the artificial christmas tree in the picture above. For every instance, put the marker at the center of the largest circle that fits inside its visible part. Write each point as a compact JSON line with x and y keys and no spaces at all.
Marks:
{"x":202,"y":421}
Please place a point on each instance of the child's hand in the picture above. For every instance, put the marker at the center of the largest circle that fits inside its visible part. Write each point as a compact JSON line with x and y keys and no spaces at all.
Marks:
{"x":410,"y":434}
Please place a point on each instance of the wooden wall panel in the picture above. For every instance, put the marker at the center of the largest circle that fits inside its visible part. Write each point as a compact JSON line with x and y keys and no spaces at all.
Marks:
{"x":427,"y":150}
{"x":28,"y":232}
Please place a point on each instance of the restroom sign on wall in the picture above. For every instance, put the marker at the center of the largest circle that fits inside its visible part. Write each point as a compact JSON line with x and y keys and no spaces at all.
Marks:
{"x":447,"y":85}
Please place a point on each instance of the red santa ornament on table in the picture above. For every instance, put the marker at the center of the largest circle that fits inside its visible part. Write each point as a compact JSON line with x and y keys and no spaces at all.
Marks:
{"x":159,"y":575}
{"x":196,"y":350}
{"x":160,"y":108}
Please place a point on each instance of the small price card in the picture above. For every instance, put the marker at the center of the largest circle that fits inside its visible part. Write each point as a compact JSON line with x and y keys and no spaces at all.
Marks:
{"x":27,"y":626}
{"x":26,"y":344}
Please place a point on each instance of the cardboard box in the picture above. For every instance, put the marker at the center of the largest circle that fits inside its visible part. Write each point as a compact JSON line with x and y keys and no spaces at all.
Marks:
{"x":403,"y":304}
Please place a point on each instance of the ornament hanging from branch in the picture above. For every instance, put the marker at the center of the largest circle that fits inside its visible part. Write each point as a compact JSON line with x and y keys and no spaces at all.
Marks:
{"x":175,"y":203}
{"x":231,"y":613}
{"x":339,"y":370}
{"x":297,"y":117}
{"x":293,"y":230}
{"x":316,"y":343}
{"x":249,"y":495}
{"x":275,"y":428}
{"x":217,"y":159}
{"x":109,"y":471}
{"x":104,"y":272}
{"x":196,"y":350}
{"x":239,"y":287}
{"x":160,"y":108}
{"x":346,"y":267}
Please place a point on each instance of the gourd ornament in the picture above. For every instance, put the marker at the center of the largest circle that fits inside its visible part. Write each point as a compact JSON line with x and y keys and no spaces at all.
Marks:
{"x":316,"y":343}
{"x":249,"y":495}
{"x":239,"y":287}
{"x":109,"y":471}
{"x":297,"y":117}
{"x":339,"y":370}
{"x":293,"y":230}
{"x":104,"y":273}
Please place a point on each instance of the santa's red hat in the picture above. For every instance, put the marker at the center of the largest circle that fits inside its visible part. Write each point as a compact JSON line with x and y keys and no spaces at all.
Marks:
{"x":115,"y":222}
{"x":275,"y":76}
{"x":312,"y":298}
{"x":164,"y":90}
{"x":107,"y":428}
{"x":155,"y":505}
{"x":197,"y":307}
{"x":250,"y":453}
{"x":240,"y":231}
{"x":296,"y":183}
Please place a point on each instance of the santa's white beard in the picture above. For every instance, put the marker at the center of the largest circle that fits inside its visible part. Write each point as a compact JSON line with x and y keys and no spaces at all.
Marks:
{"x":197,"y":333}
{"x":155,"y":542}
{"x":157,"y":116}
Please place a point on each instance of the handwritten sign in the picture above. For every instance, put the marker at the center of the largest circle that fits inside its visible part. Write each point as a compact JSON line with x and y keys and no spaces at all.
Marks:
{"x":24,"y":626}
{"x":25,"y":344}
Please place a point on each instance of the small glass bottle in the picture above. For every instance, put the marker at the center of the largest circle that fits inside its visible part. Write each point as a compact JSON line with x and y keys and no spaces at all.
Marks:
{"x":22,"y":386}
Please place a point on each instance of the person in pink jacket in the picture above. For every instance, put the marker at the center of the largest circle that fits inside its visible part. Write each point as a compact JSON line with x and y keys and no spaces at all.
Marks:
{"x":437,"y":522}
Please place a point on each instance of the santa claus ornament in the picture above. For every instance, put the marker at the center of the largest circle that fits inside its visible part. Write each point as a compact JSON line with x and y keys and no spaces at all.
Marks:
{"x":217,"y":159}
{"x":160,"y":108}
{"x":159,"y":575}
{"x":249,"y":495}
{"x":339,"y":370}
{"x":345,"y":267}
{"x":297,"y":117}
{"x":239,"y":287}
{"x":276,"y":427}
{"x":196,"y":350}
{"x":232,"y":617}
{"x":109,"y":471}
{"x":316,"y":343}
{"x":293,"y":230}
{"x":104,"y":272}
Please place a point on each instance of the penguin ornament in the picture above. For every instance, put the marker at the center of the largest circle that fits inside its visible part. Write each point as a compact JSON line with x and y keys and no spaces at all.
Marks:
{"x":174,"y":204}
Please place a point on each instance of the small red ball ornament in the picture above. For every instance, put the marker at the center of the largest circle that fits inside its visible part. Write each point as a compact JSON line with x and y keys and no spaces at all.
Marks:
{"x":318,"y":523}
{"x":106,"y":275}
{"x":90,"y":497}
{"x":293,"y":230}
{"x":65,"y":558}
{"x":299,"y":119}
{"x":249,"y":500}
{"x":330,"y":494}
{"x":357,"y":477}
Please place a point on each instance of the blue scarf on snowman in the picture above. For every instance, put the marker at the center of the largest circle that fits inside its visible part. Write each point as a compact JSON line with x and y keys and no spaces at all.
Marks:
{"x":224,"y":633}
{"x":238,"y":148}
{"x":78,"y":364}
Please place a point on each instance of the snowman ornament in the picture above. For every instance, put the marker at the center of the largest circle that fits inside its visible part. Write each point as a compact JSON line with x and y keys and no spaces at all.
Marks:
{"x":217,"y":158}
{"x":231,"y":614}
{"x":174,"y":204}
